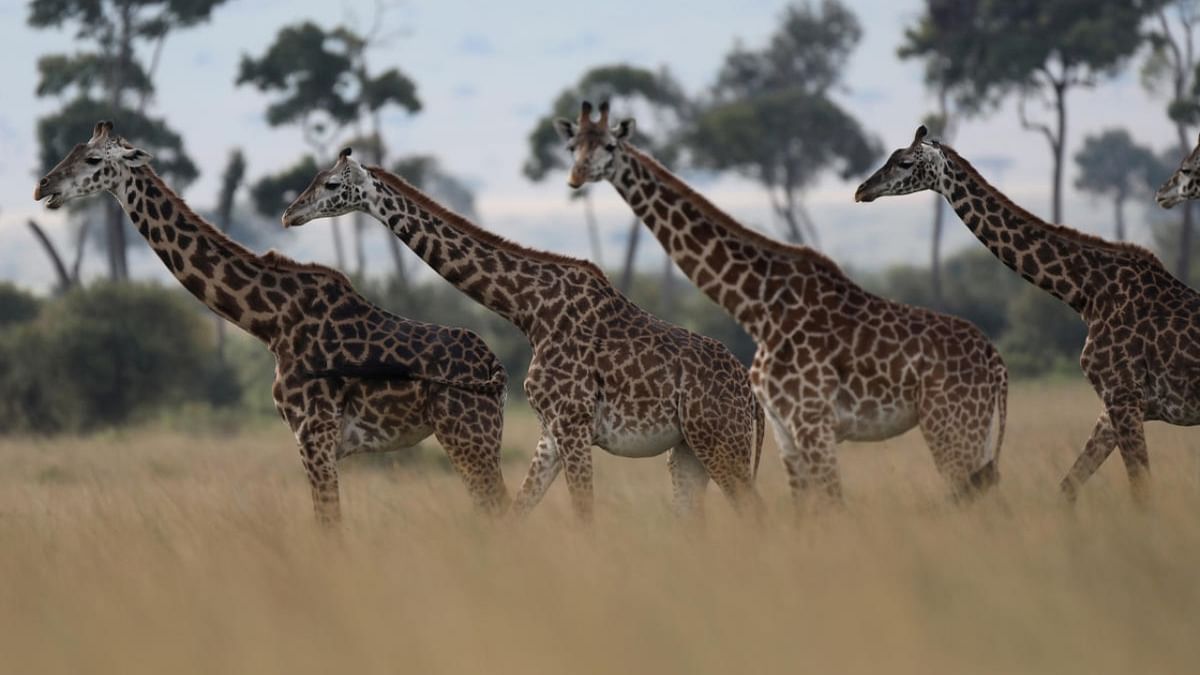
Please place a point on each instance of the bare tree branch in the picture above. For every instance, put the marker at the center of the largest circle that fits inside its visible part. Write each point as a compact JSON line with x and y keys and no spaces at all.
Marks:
{"x":64,"y":279}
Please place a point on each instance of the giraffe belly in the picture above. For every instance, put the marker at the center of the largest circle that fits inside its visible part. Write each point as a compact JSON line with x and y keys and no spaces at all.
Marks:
{"x":358,"y":436}
{"x":634,"y":438}
{"x":880,"y":423}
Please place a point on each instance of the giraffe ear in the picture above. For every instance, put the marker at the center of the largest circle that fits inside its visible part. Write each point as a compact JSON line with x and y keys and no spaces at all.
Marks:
{"x":565,"y":128}
{"x":625,"y":128}
{"x":920,"y":135}
{"x":136,"y":157}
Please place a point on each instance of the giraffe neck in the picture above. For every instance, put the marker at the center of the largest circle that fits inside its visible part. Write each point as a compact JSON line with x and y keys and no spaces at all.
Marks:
{"x":1063,"y":262}
{"x":741,"y":270}
{"x":525,"y":286}
{"x":231,"y":280}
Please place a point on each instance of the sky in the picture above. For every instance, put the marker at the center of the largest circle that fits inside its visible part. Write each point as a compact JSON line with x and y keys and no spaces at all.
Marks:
{"x":485,"y":72}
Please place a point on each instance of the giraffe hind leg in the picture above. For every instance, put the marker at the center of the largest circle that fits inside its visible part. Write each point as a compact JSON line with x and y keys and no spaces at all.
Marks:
{"x":1097,"y":449}
{"x":689,"y":478}
{"x":469,"y":425}
{"x":543,"y":469}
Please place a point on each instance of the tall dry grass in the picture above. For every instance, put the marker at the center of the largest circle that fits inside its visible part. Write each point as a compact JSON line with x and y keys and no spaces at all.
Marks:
{"x":153,"y":552}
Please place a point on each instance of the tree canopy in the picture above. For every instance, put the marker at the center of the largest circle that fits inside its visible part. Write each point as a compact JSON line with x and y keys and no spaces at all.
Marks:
{"x":771,"y":116}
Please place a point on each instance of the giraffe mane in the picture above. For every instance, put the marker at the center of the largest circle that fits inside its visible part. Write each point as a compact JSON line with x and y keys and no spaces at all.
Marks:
{"x":715,"y":214}
{"x":474,"y":231}
{"x":272,"y":258}
{"x":1062,"y":231}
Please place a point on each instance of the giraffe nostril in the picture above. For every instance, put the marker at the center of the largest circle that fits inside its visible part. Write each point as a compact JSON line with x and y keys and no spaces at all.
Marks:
{"x":44,"y":182}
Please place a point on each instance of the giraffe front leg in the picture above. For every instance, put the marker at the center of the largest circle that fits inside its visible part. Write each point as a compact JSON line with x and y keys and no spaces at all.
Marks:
{"x":318,"y":439}
{"x":1127,"y":423}
{"x":1099,"y":446}
{"x":575,"y":452}
{"x":808,"y":447}
{"x":543,"y":469}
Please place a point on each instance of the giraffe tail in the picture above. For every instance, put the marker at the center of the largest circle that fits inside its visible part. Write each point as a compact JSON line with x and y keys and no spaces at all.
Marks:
{"x":760,"y":428}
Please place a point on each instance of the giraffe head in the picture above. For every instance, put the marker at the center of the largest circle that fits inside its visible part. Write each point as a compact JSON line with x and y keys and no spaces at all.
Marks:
{"x":594,"y":144}
{"x":920,"y":166}
{"x":1184,"y":184}
{"x":100,"y":164}
{"x":340,"y":189}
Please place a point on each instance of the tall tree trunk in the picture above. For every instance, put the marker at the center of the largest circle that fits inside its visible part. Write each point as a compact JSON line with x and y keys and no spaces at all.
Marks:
{"x":1183,"y":264}
{"x":339,"y":249}
{"x":935,"y":253}
{"x":631,"y":245}
{"x":1058,"y":144}
{"x":593,"y":229}
{"x":398,"y":260}
{"x":360,"y":256}
{"x":1119,"y":215}
{"x":118,"y":264}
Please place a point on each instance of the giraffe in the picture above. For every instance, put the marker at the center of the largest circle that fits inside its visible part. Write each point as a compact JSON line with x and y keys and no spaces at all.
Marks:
{"x":349,"y":377}
{"x":834,"y":362}
{"x":1183,"y":184}
{"x":604,"y":372}
{"x":1141,"y":352}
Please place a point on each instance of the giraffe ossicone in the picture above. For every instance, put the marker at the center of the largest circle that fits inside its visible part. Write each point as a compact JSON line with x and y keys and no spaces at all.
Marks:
{"x":834,"y":362}
{"x":349,"y":376}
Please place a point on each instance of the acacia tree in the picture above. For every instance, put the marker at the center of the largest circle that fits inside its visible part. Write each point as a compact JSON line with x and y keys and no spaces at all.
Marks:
{"x":1170,"y":70}
{"x":112,"y":77}
{"x":770,"y":116}
{"x":1040,"y":50}
{"x":1113,"y":164}
{"x":654,"y":96}
{"x":324,"y":85}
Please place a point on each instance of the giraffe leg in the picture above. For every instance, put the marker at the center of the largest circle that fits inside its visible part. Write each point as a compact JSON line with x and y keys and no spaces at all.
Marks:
{"x":961,"y":445}
{"x":1099,"y":446}
{"x":318,"y":439}
{"x":808,"y":447}
{"x":574,"y":444}
{"x":689,"y":478}
{"x":469,"y":425}
{"x":1127,"y":422}
{"x":543,"y":469}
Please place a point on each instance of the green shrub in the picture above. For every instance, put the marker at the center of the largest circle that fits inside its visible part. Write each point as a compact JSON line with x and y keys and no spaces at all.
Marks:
{"x":96,"y":356}
{"x":16,"y":305}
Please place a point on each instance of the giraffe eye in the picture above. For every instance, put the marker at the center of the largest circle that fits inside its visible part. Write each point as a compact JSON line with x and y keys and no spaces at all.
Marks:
{"x":906,"y":164}
{"x":93,"y":160}
{"x":332,"y":186}
{"x":610,"y":147}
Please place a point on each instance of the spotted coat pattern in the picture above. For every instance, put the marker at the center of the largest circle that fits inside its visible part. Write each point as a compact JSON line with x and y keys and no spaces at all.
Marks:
{"x":1142,"y":352}
{"x":834,"y":362}
{"x":603,"y":372}
{"x":349,"y":376}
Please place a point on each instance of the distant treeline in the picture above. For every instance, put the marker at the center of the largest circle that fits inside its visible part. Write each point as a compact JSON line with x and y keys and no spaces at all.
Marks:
{"x":116,"y":353}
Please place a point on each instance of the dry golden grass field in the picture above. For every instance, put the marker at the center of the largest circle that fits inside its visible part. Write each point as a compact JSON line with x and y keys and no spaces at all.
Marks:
{"x":161,"y":552}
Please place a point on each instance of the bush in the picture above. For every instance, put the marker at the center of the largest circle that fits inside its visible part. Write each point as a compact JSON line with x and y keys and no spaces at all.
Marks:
{"x":16,"y":305}
{"x":98,"y":356}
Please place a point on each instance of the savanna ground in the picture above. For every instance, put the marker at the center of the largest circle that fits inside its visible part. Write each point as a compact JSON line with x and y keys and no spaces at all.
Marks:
{"x":155,"y":551}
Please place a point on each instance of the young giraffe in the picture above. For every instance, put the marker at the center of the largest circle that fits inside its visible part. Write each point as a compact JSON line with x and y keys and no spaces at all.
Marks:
{"x":834,"y":362}
{"x":604,"y":372}
{"x":1141,"y":352}
{"x":349,"y":377}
